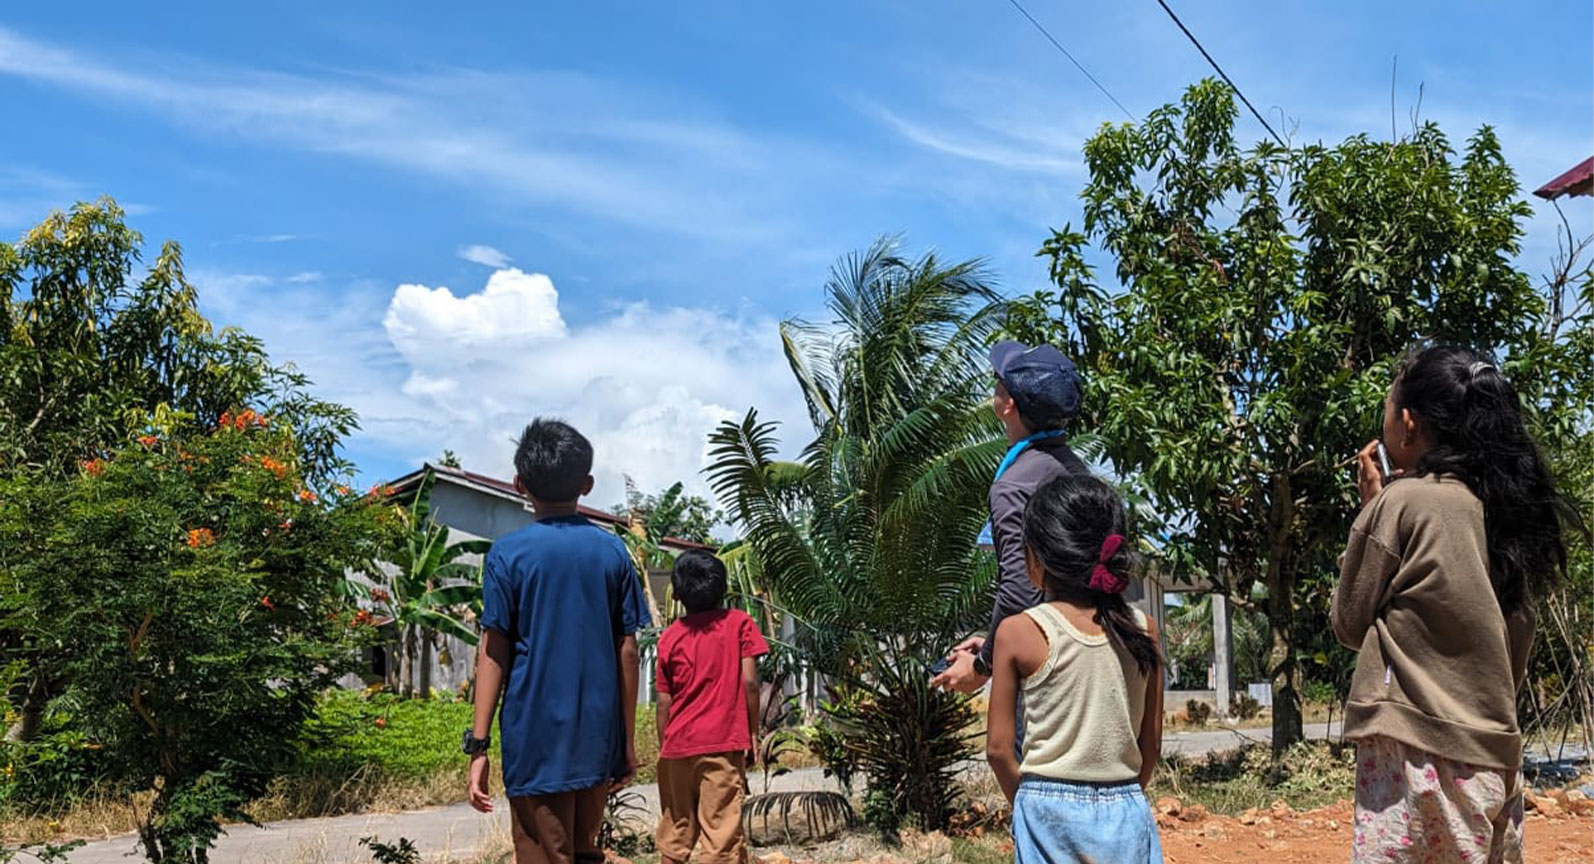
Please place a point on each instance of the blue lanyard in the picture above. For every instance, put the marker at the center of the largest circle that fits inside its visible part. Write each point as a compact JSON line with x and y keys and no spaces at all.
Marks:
{"x":1014,"y":451}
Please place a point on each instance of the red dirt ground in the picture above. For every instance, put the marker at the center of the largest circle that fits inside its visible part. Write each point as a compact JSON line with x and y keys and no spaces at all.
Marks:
{"x":1280,"y":836}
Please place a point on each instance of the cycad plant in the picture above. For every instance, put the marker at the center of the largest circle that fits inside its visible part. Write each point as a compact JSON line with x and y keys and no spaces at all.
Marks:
{"x":871,"y":537}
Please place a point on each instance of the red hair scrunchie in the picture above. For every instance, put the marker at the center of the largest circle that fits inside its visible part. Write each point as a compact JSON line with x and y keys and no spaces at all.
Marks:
{"x":1102,"y":579}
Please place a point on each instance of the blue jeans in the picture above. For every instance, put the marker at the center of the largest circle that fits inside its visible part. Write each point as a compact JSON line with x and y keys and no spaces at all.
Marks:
{"x":1055,"y":821}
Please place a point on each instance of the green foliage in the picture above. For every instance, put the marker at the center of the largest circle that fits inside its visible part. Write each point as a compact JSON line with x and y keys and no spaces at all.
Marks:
{"x":426,"y":590}
{"x":671,"y":513}
{"x":43,"y":853}
{"x":192,"y":586}
{"x":1197,"y":712}
{"x":394,"y":738}
{"x":830,"y":748}
{"x":56,"y":767}
{"x":91,"y":355}
{"x":870,"y":539}
{"x":403,"y":852}
{"x":1268,"y":294}
{"x":908,"y":739}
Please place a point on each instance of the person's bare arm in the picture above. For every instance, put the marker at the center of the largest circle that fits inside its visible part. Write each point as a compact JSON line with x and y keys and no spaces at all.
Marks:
{"x":661,"y":713}
{"x":751,"y":686}
{"x":630,"y":674}
{"x":1019,"y":649}
{"x":1151,"y":721}
{"x":492,"y":658}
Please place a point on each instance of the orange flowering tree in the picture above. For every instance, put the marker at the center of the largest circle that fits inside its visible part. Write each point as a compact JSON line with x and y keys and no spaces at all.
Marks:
{"x":195,"y":589}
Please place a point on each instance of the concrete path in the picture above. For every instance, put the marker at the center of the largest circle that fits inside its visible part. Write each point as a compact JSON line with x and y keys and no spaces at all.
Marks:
{"x":456,"y":832}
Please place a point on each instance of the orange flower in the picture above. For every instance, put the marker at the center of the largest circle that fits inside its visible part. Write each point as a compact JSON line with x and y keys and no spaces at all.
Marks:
{"x":198,"y":537}
{"x":381,"y":722}
{"x":225,"y":420}
{"x":274,"y":466}
{"x":344,"y":490}
{"x":362,"y":618}
{"x":307,"y":496}
{"x":94,"y":467}
{"x":286,"y":525}
{"x":380,"y":595}
{"x":148,"y":440}
{"x":266,"y":602}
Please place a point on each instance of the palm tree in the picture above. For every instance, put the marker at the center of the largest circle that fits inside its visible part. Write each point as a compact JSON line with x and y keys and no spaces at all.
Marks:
{"x":427,"y":588}
{"x":871,"y":537}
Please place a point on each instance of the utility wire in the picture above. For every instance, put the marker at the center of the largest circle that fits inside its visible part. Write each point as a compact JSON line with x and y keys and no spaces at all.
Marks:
{"x":1059,"y":46}
{"x":1224,"y":75}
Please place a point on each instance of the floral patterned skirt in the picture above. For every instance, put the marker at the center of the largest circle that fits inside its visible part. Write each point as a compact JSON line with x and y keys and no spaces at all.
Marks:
{"x":1413,"y":806}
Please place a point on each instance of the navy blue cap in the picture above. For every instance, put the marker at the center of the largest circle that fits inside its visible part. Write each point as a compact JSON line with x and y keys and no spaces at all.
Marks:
{"x":1044,"y":383}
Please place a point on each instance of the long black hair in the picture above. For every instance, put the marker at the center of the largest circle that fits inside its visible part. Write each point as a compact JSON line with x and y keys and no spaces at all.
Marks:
{"x":1066,"y":523}
{"x":1474,"y":417}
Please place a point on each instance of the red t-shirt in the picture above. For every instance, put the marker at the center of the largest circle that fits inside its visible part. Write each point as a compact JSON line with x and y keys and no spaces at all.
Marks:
{"x":700,"y":666}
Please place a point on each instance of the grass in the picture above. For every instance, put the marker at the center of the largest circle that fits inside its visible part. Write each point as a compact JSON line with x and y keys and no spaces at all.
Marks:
{"x":1311,"y":774}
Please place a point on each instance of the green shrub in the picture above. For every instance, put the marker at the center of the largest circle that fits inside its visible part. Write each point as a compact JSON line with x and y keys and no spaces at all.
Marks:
{"x":1198,"y":712}
{"x":52,"y":771}
{"x":1244,"y":706}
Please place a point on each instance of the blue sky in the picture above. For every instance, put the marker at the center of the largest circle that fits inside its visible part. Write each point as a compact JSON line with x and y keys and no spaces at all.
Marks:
{"x":623,"y":199}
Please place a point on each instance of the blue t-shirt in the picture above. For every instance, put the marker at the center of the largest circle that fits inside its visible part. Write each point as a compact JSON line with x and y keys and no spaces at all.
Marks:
{"x":565,"y":592}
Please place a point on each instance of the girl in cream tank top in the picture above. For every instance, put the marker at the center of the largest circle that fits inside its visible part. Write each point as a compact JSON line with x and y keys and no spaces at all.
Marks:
{"x":1083,"y":707}
{"x":1089,"y":671}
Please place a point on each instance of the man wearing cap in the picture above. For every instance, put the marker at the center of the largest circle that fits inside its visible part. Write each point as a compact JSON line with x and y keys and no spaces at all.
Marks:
{"x":1038,"y":392}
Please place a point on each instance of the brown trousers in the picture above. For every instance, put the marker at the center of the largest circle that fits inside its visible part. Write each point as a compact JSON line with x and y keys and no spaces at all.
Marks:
{"x":700,"y":803}
{"x":561,"y":828}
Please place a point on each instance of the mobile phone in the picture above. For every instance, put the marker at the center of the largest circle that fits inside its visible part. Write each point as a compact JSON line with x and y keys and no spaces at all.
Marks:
{"x":1383,"y":461}
{"x":940,"y":666}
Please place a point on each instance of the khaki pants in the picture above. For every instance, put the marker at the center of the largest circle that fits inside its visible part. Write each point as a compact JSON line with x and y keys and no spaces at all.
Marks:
{"x":561,"y":828}
{"x":700,"y":803}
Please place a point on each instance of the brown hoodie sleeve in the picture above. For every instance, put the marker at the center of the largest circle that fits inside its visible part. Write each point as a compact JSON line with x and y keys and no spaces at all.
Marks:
{"x":1365,"y":571}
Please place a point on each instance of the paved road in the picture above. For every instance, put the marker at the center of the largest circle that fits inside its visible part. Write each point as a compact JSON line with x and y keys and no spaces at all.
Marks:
{"x":457,"y":831}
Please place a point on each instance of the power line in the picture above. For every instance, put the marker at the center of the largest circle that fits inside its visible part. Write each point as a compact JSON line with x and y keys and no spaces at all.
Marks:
{"x":1080,"y":66}
{"x":1225,"y":75}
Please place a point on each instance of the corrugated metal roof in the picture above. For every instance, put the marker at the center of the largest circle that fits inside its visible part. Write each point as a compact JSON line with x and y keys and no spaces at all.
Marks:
{"x":507,"y":489}
{"x":1578,"y":181}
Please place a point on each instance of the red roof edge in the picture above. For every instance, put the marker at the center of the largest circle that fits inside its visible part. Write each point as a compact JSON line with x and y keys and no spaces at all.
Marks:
{"x":508,"y":488}
{"x":1578,"y":181}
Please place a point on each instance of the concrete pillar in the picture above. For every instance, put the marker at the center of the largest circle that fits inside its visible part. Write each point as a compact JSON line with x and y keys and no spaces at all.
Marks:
{"x":1222,"y":651}
{"x":644,"y":694}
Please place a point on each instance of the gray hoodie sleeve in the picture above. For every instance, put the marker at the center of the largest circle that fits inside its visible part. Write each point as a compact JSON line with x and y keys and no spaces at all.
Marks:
{"x":1014,"y":591}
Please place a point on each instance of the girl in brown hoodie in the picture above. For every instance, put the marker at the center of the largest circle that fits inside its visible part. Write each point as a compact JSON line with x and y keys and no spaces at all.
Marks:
{"x":1436,"y":596}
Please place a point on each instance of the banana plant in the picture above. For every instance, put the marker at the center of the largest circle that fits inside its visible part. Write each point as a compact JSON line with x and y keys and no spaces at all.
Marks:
{"x":429,"y":588}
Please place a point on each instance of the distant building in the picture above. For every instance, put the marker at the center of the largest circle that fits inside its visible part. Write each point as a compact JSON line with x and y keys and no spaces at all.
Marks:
{"x":478,"y":507}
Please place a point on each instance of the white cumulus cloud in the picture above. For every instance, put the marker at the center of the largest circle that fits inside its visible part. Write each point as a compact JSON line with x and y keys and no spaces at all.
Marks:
{"x":486,"y":256}
{"x":646,"y":383}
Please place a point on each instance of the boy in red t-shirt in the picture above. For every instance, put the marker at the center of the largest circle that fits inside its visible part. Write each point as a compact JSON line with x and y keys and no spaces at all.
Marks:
{"x":707,"y":716}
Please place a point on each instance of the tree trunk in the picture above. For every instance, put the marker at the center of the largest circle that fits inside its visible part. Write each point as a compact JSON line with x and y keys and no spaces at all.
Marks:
{"x":425,"y":676}
{"x":407,"y":662}
{"x":33,"y":705}
{"x":1281,"y":617}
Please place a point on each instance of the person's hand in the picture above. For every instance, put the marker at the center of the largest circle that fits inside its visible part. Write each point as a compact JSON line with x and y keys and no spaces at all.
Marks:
{"x":625,"y":779}
{"x":960,"y":676}
{"x":481,"y":797}
{"x":971,"y":645}
{"x":1369,"y":476}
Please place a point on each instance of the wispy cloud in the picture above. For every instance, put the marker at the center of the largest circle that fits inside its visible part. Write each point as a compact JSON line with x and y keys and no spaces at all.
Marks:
{"x":486,"y":256}
{"x":305,"y":277}
{"x":608,"y":149}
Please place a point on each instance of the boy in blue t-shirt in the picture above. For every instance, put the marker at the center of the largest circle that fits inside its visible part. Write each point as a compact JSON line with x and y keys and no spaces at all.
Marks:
{"x":561,"y":605}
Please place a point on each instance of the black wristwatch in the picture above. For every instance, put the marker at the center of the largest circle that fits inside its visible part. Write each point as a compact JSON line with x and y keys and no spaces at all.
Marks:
{"x":474,"y":746}
{"x":981,"y":668}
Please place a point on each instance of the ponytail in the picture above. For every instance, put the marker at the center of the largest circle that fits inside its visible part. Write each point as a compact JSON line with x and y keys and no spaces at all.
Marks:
{"x":1075,"y":526}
